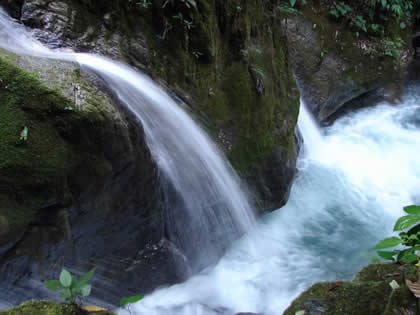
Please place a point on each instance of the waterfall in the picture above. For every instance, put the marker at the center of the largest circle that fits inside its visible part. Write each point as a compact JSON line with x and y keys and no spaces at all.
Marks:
{"x":311,"y":133}
{"x":352,"y":183}
{"x":206,"y":208}
{"x":344,"y":199}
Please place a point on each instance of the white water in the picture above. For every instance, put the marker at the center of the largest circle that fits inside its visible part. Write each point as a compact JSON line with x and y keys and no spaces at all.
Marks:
{"x":350,"y":189}
{"x":353,"y":181}
{"x":206,"y":208}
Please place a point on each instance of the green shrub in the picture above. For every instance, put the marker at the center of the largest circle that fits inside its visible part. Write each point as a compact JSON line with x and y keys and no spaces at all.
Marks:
{"x":70,"y":287}
{"x":409,"y":239}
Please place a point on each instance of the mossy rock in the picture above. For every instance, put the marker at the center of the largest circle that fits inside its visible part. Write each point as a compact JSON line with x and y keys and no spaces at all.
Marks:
{"x":49,"y":308}
{"x":47,"y":140}
{"x":334,"y":65}
{"x":369,"y":293}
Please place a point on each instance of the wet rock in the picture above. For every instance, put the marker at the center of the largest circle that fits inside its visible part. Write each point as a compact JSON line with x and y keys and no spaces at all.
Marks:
{"x":331,"y":65}
{"x":253,"y":98}
{"x":369,"y":293}
{"x":83,"y":188}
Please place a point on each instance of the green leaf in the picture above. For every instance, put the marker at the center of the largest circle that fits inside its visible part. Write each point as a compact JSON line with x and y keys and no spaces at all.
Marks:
{"x":412,"y":209}
{"x":53,"y":285}
{"x":387,"y":255}
{"x":292,"y":3}
{"x":85,"y":291}
{"x":388,"y":242}
{"x":65,"y":278}
{"x":403,"y":25}
{"x":406,"y":221}
{"x":334,"y":13}
{"x":84,"y":279}
{"x":66,"y":294}
{"x":130,"y":299}
{"x":24,"y":134}
{"x":383,"y":2}
{"x":407,"y":256}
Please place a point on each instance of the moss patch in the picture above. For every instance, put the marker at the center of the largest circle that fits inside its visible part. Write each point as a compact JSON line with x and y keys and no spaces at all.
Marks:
{"x":34,"y":172}
{"x":48,"y":308}
{"x":233,"y":67}
{"x":369,"y":292}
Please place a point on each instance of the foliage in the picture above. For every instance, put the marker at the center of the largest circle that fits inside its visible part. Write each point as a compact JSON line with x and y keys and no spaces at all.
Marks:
{"x":24,"y":134}
{"x":409,"y":239}
{"x":374,"y":16}
{"x":291,"y":6}
{"x":70,"y":287}
{"x":127,"y":300}
{"x":130,"y":300}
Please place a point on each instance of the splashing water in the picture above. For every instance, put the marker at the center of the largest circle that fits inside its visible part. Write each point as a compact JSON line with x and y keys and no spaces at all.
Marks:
{"x":206,"y":208}
{"x":345,"y":198}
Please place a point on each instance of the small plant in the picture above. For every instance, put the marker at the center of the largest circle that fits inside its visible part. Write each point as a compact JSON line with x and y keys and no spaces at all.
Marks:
{"x":187,"y":24}
{"x":393,"y":48}
{"x":145,"y":3}
{"x":127,"y":300}
{"x":410,"y":239}
{"x":71,"y":288}
{"x":259,"y":71}
{"x":324,"y":52}
{"x":24,"y":134}
{"x":293,"y":2}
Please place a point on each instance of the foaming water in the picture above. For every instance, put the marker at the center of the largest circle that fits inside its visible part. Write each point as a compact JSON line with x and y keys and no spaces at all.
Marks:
{"x":345,"y":198}
{"x":310,"y":131}
{"x":206,"y":207}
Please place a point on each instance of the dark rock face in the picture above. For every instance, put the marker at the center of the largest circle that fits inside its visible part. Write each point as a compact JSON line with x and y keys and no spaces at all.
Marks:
{"x":84,"y":27}
{"x":236,"y":79}
{"x":331,"y":65}
{"x":415,"y":41}
{"x":81,"y":191}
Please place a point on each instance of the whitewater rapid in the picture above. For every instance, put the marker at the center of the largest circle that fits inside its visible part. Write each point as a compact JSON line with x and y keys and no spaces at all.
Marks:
{"x":354,"y":178}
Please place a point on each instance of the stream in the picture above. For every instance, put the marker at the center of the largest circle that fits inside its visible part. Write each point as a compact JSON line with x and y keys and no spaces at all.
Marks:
{"x":354,"y":178}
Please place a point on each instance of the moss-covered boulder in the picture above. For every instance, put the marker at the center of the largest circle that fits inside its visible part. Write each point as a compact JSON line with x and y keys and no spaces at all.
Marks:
{"x":49,"y":308}
{"x":228,"y":61}
{"x":78,"y":186}
{"x":335,"y":64}
{"x":369,"y":293}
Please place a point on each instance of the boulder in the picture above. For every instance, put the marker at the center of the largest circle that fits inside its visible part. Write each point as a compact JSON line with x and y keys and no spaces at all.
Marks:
{"x":369,"y":293}
{"x":78,"y":187}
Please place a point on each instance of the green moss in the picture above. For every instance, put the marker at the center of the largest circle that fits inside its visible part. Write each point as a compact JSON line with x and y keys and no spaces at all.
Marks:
{"x":48,"y":308}
{"x":43,"y":157}
{"x":240,"y":44}
{"x":370,"y":292}
{"x":34,"y":173}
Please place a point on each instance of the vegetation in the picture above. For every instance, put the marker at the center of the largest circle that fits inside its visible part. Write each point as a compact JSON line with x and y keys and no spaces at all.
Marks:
{"x":374,"y":17}
{"x":125,"y":302}
{"x":70,"y":287}
{"x":50,"y":308}
{"x":410,"y":239}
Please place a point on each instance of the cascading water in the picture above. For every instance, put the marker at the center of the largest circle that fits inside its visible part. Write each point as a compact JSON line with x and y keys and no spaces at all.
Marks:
{"x":206,"y":207}
{"x":352,"y":182}
{"x":345,"y":198}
